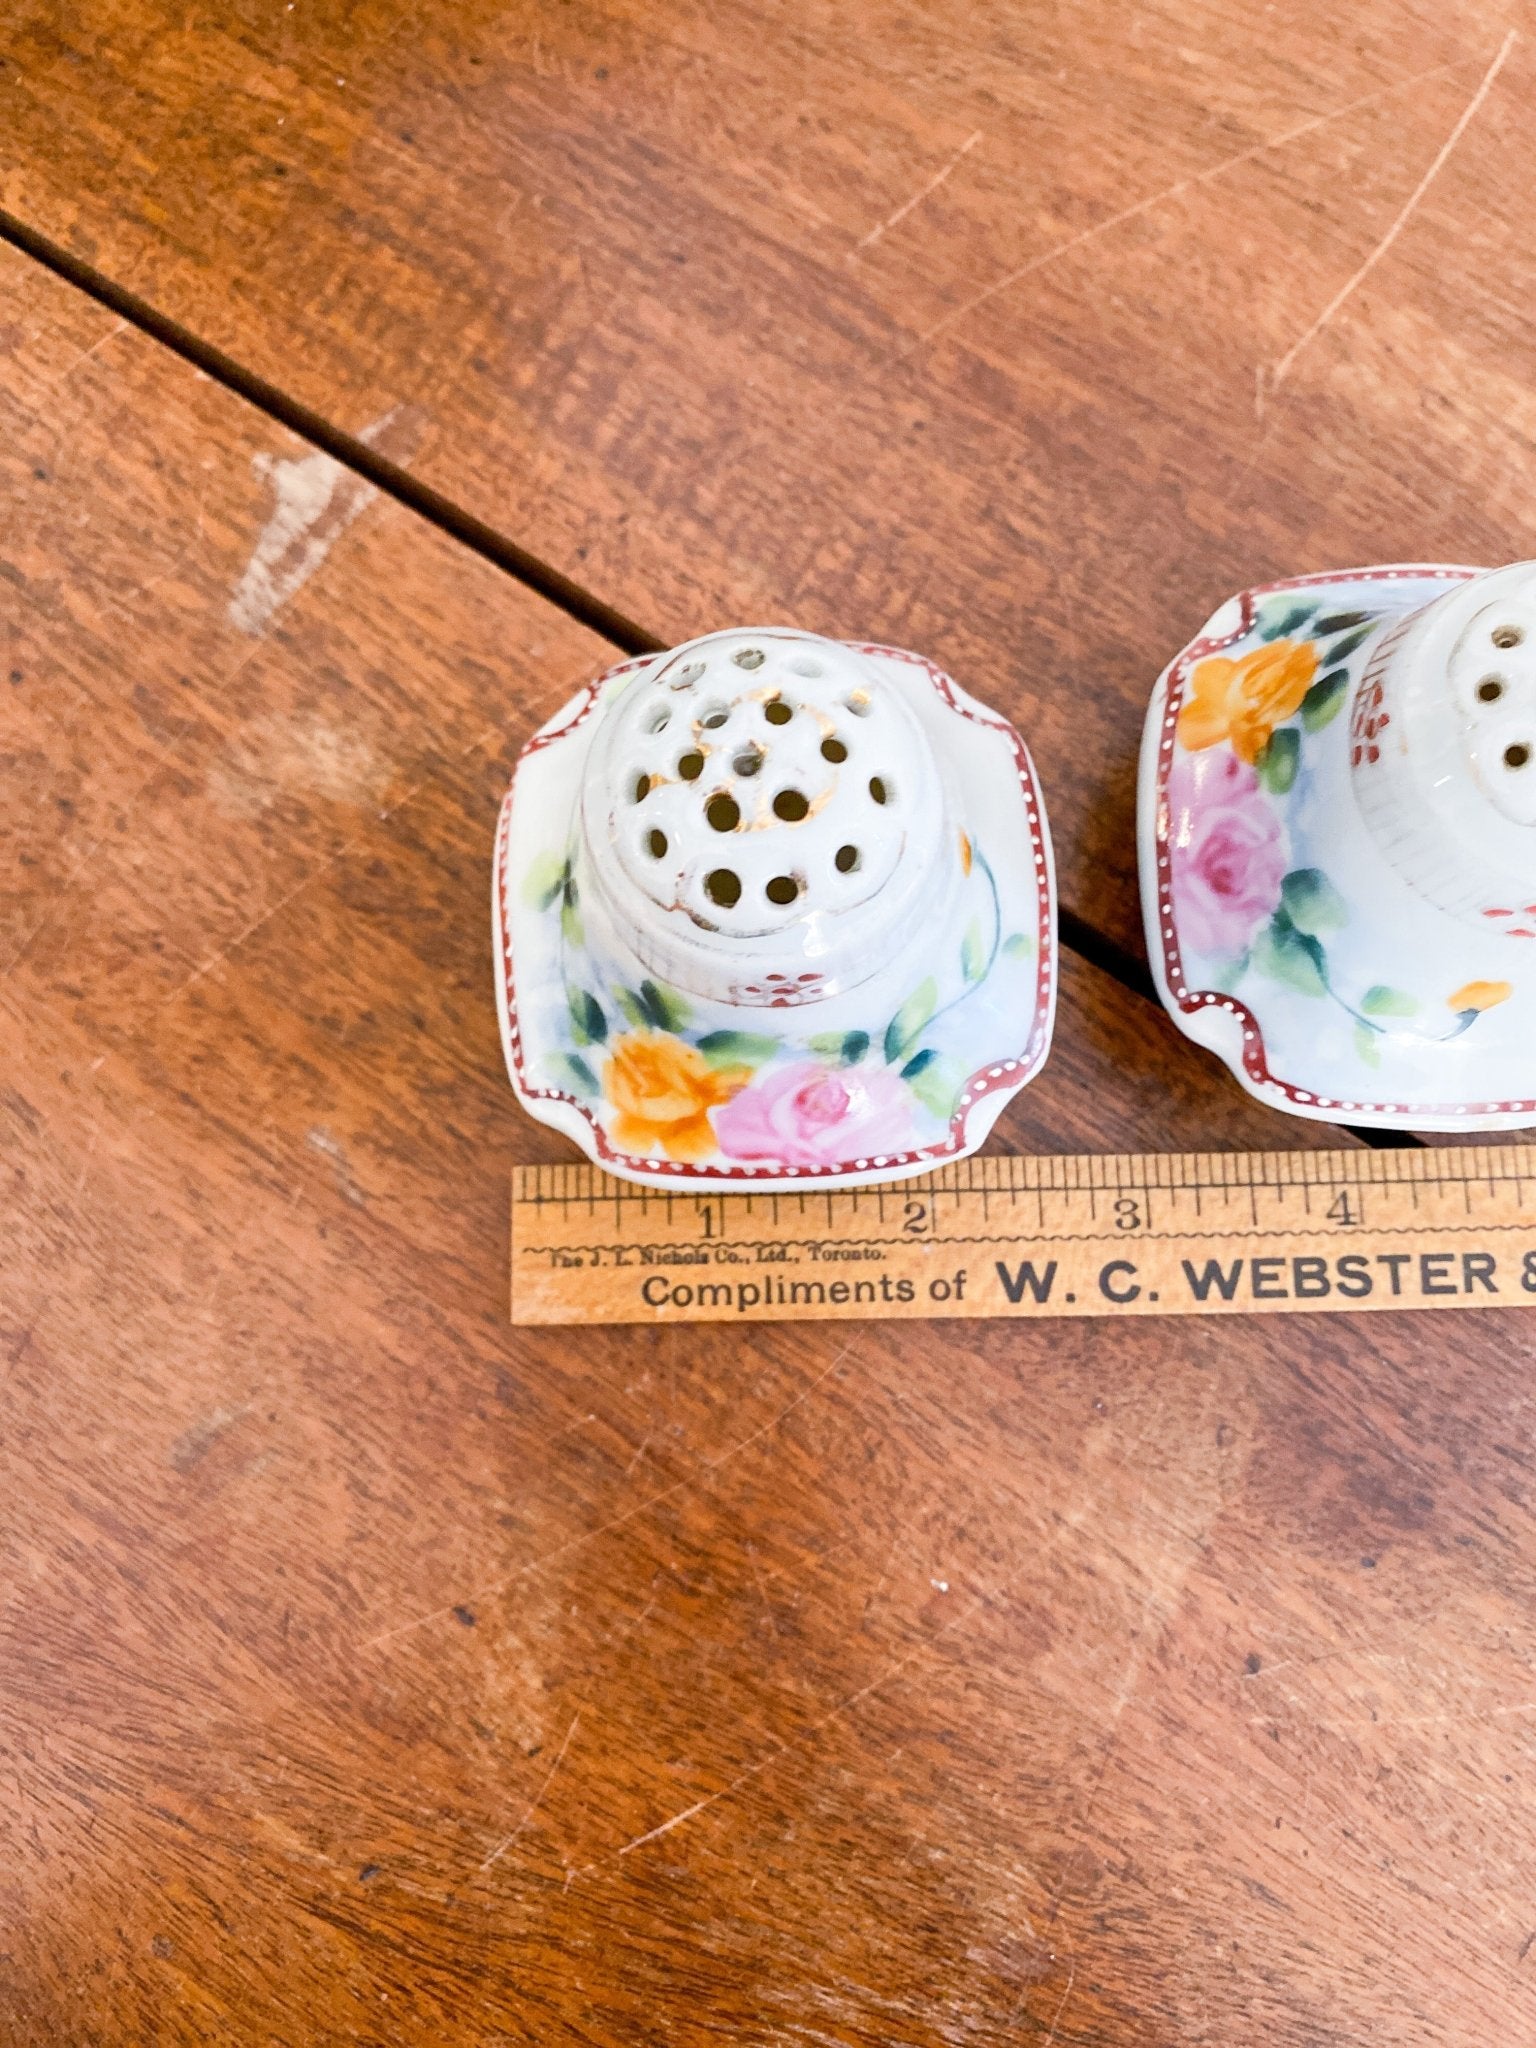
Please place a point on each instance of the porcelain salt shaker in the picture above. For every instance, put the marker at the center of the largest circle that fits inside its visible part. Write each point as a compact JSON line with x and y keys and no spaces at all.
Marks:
{"x":772,"y":908}
{"x":1338,"y":845}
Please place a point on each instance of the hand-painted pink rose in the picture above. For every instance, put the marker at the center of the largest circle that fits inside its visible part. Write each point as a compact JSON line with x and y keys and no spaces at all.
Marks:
{"x":814,"y":1115}
{"x":1227,"y":853}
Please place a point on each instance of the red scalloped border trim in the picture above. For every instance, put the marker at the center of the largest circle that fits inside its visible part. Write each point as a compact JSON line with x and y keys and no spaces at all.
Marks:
{"x":1011,"y":1074}
{"x":1255,"y":1061}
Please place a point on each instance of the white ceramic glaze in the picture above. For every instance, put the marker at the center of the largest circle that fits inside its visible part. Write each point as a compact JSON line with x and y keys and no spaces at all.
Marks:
{"x":772,"y":908}
{"x":1337,"y":823}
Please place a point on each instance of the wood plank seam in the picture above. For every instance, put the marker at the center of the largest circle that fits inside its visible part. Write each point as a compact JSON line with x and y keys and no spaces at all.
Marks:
{"x":355,"y":454}
{"x":347,"y":449}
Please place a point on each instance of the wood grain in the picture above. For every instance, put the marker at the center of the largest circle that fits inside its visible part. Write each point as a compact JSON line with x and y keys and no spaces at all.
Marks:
{"x":1022,"y":333}
{"x":370,"y":1673}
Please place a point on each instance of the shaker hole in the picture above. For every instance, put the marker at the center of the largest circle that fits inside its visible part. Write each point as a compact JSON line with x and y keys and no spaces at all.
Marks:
{"x":777,"y":712}
{"x":782,"y":889}
{"x":879,"y":789}
{"x":1490,"y":690}
{"x":832,"y":749}
{"x":691,"y":767}
{"x":687,"y":676}
{"x":723,"y":886}
{"x":846,"y":860}
{"x":1508,"y":636}
{"x":1517,"y":755}
{"x":790,"y":805}
{"x":715,"y":715}
{"x":749,"y":657}
{"x":659,"y":720}
{"x":642,"y":788}
{"x":748,"y":761}
{"x":723,"y":813}
{"x":857,"y":701}
{"x":657,"y":844}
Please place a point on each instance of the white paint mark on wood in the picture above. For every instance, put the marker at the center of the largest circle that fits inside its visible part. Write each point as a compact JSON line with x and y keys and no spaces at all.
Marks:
{"x":321,"y":1140}
{"x":316,"y":500}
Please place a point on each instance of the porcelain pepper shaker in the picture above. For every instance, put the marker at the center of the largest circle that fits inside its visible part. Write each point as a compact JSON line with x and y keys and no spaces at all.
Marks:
{"x":1338,"y":845}
{"x":772,"y":908}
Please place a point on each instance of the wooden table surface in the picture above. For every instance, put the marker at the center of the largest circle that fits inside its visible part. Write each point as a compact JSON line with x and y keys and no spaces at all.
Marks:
{"x":370,"y":1673}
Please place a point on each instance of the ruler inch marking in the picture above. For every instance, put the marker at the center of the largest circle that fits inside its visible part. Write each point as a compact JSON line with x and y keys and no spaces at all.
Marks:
{"x":1111,"y":1234}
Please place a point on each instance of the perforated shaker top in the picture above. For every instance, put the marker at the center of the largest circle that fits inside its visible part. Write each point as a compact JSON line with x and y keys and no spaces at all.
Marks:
{"x":1493,"y":676}
{"x":1444,"y":754}
{"x":771,"y":804}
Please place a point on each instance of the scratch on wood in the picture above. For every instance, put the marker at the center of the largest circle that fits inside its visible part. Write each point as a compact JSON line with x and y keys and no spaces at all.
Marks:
{"x":815,"y":1727}
{"x":1061,"y":2008}
{"x":1353,"y":283}
{"x":537,"y":1564}
{"x":918,"y":197}
{"x":762,"y":1590}
{"x":506,"y":1841}
{"x":90,"y":1154}
{"x":119,"y":327}
{"x":1141,"y":206}
{"x":714,"y":1464}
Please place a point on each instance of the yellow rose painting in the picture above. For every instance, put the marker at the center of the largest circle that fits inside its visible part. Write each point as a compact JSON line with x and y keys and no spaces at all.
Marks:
{"x":663,"y":1091}
{"x":1243,"y":701}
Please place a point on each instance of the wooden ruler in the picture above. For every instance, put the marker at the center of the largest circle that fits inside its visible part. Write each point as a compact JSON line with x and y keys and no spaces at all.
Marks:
{"x":1204,"y":1233}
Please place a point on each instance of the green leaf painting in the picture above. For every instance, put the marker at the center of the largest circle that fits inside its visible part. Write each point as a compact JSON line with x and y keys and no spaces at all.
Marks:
{"x":1280,"y":759}
{"x":544,"y":880}
{"x":1325,"y":700}
{"x":1291,"y":957}
{"x":588,"y":1024}
{"x":902,"y":1033}
{"x":737,"y":1048}
{"x":1368,"y":1045}
{"x":652,"y":1008}
{"x":1382,"y":1001}
{"x":575,"y":1071}
{"x":1018,"y":946}
{"x":666,"y":1010}
{"x":1311,"y":902}
{"x":570,"y":916}
{"x":936,"y":1084}
{"x":973,"y":954}
{"x":847,"y":1047}
{"x":1341,"y":650}
{"x":1276,"y":620}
